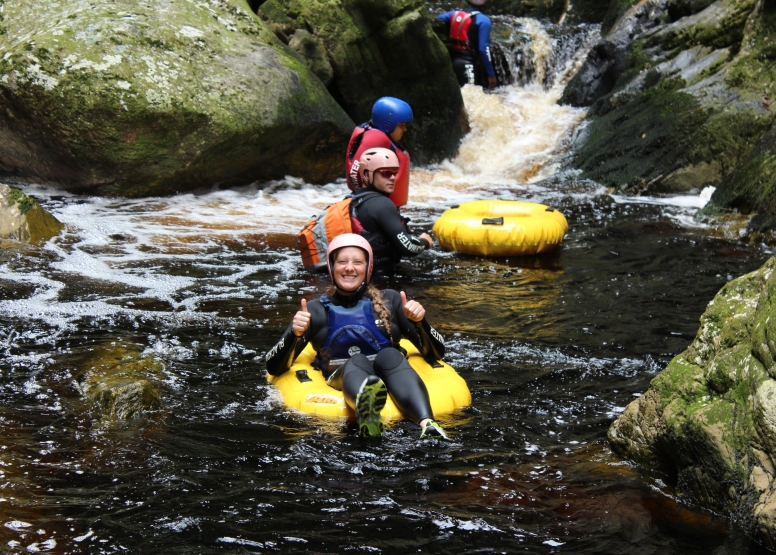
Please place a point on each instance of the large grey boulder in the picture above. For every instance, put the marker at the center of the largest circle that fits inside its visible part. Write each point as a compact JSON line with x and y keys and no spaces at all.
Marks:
{"x":379,"y":48}
{"x":117,"y":97}
{"x":709,"y":418}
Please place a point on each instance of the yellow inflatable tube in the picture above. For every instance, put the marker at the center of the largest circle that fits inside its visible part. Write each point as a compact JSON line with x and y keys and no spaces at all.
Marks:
{"x":304,"y":388}
{"x":501,"y":228}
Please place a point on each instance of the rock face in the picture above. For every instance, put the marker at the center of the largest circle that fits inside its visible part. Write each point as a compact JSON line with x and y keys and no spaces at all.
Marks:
{"x":709,"y":418}
{"x":116,"y":97}
{"x":379,"y":48}
{"x":680,"y":94}
{"x":23,"y":220}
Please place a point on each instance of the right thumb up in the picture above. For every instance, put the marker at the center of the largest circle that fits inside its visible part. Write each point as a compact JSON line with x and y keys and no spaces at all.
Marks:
{"x":301,"y":320}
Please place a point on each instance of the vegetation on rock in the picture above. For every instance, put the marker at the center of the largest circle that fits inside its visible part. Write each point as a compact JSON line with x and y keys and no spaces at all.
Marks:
{"x":708,"y":419}
{"x":116,"y":97}
{"x":680,"y":99}
{"x":22,"y":220}
{"x":377,"y":48}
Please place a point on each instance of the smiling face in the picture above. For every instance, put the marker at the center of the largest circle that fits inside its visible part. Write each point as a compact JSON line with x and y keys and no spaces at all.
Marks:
{"x":349,"y":270}
{"x":384,"y":180}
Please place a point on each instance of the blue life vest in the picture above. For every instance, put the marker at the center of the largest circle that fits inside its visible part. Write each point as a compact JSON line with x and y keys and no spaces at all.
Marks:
{"x":351,"y":331}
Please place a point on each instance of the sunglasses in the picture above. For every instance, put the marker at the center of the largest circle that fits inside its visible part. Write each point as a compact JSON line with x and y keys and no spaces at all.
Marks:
{"x":388,"y":173}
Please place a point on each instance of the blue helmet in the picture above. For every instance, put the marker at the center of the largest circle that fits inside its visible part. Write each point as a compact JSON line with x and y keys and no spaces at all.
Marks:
{"x":388,"y":112}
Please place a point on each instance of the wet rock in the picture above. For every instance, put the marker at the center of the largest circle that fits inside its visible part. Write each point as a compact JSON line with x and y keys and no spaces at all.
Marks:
{"x":605,"y":63}
{"x":709,"y":418}
{"x":378,"y":48}
{"x":311,"y":49}
{"x":121,"y":384}
{"x":690,"y":178}
{"x":548,"y":9}
{"x":23,"y":220}
{"x":115,"y":97}
{"x":690,"y":103}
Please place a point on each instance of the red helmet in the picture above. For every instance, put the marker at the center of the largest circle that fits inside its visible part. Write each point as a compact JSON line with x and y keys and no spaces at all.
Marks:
{"x":350,"y":240}
{"x":375,"y":159}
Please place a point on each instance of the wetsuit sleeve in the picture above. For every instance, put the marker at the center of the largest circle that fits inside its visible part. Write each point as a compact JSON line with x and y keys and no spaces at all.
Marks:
{"x":391,"y":226}
{"x":483,"y":23}
{"x":446,"y":16}
{"x":280,"y":358}
{"x":428,"y":341}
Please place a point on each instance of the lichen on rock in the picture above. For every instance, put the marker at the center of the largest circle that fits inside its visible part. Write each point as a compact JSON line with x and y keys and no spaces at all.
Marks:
{"x":23,"y":220}
{"x":125,"y":98}
{"x":709,"y":418}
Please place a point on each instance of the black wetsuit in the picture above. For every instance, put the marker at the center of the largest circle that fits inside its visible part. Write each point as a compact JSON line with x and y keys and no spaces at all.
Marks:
{"x":385,"y":229}
{"x":404,"y":385}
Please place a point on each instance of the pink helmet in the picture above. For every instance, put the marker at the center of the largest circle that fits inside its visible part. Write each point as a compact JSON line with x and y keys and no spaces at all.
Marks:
{"x":375,"y":159}
{"x":350,"y":240}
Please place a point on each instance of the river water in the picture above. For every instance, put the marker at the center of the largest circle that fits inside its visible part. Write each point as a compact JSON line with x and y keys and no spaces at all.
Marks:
{"x":552,"y":347}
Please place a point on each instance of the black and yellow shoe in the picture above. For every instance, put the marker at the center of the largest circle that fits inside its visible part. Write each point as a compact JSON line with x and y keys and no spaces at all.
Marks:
{"x":371,"y":398}
{"x":432,"y":429}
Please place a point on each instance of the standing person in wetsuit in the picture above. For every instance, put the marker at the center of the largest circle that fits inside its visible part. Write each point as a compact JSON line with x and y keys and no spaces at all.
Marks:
{"x":469,"y":33}
{"x":374,"y":216}
{"x":390,"y":117}
{"x":355,"y":330}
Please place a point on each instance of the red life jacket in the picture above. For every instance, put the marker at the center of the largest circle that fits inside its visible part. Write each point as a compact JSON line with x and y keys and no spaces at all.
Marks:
{"x":459,"y":31}
{"x":364,"y":138}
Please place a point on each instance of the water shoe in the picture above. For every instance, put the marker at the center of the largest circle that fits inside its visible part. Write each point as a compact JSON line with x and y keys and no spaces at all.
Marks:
{"x":432,"y":429}
{"x":371,"y":398}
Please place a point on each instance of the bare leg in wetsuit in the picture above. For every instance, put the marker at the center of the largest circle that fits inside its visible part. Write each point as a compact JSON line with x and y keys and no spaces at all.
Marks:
{"x":404,"y":385}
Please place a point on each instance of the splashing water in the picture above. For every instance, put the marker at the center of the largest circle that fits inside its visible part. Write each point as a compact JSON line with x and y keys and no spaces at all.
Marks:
{"x":553,"y":348}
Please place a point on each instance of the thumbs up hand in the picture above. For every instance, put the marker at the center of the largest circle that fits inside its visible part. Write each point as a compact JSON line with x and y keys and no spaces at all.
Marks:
{"x":412,"y":309}
{"x":301,"y":320}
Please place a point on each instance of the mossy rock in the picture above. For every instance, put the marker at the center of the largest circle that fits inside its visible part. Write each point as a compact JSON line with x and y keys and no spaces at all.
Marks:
{"x":688,"y":105}
{"x":115,"y":97}
{"x":382,"y":48}
{"x":23,"y":220}
{"x":709,"y":419}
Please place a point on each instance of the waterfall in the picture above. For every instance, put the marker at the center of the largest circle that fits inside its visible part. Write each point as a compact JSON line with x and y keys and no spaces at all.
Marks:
{"x":518,"y":131}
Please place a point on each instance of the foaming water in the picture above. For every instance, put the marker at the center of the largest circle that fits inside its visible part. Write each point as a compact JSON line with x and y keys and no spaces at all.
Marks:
{"x":552,"y":347}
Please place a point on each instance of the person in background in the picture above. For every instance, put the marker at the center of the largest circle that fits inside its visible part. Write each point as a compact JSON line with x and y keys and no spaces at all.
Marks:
{"x":374,"y":216}
{"x":355,"y":330}
{"x":390,"y":117}
{"x":469,"y":33}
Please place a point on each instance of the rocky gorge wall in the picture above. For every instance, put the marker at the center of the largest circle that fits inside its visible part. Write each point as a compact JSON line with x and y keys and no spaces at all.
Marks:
{"x":680,"y":98}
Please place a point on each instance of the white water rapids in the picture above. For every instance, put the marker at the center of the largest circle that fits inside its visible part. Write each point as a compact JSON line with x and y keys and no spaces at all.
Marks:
{"x":519,"y":135}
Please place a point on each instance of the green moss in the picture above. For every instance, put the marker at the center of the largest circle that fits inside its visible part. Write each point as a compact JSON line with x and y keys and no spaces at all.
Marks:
{"x":643,"y":139}
{"x":24,"y":202}
{"x":617,"y":9}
